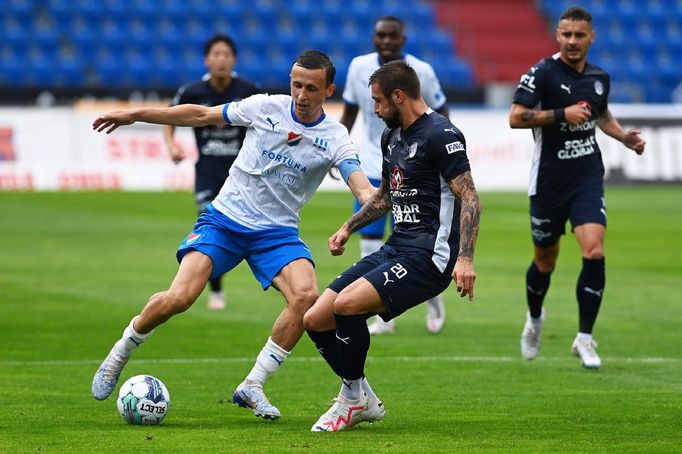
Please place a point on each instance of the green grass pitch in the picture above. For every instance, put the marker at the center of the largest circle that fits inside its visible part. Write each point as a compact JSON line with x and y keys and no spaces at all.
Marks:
{"x":75,"y":267}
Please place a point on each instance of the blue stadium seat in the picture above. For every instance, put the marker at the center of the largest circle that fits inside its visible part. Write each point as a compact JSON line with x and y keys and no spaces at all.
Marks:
{"x":12,"y":66}
{"x":454,"y":72}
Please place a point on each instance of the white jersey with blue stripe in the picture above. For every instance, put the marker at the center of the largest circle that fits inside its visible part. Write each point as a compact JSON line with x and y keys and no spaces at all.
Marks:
{"x":282,"y":161}
{"x":357,"y":93}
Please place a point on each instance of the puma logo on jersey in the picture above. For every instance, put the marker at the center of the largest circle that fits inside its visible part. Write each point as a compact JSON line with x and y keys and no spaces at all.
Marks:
{"x":567,"y":88}
{"x":452,"y":130}
{"x":273,"y":124}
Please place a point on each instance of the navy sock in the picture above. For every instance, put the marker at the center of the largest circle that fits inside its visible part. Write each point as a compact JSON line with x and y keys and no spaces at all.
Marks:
{"x":537,"y":284}
{"x":326,"y":344}
{"x":352,"y":337}
{"x":589,"y":292}
{"x":215,"y":284}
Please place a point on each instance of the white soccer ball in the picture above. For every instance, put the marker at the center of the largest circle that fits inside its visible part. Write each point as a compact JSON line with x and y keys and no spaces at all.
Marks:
{"x":143,"y":399}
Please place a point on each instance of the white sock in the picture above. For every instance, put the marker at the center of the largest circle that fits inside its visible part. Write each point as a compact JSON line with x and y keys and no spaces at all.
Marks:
{"x":269,"y":360}
{"x":130,"y":340}
{"x":369,"y":246}
{"x":367,"y":389}
{"x":584,"y":337}
{"x":351,"y":389}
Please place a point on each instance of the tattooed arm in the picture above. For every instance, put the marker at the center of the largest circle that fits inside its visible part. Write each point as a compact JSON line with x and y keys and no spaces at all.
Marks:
{"x":521,"y":116}
{"x":463,"y":189}
{"x":376,"y":206}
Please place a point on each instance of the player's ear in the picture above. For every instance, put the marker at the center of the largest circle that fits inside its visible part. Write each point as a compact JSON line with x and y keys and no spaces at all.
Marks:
{"x":330,"y":90}
{"x":397,"y":96}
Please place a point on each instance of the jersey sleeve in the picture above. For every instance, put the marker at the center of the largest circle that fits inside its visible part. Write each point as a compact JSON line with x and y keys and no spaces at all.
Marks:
{"x":349,"y":94}
{"x":447,"y":148}
{"x":531,"y":86}
{"x":607,"y":91}
{"x":345,"y":149}
{"x":384,"y":151}
{"x":431,"y":89}
{"x":244,"y":112}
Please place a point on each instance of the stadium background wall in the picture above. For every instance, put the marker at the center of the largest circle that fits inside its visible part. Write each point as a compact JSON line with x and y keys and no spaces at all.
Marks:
{"x":52,"y":149}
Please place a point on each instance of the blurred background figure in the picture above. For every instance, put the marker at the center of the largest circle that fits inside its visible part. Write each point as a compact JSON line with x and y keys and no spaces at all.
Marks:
{"x":218,"y":146}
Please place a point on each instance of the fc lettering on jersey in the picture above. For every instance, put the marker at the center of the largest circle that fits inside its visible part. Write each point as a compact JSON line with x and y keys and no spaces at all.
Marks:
{"x":454,"y":147}
{"x":527,"y":83}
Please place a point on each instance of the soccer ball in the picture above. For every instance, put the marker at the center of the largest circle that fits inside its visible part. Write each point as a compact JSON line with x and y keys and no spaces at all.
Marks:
{"x":143,"y":399}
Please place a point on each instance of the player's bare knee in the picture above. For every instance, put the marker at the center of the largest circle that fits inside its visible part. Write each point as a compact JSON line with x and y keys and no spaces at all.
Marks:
{"x":311,"y":320}
{"x":594,"y":253}
{"x":344,"y":305}
{"x":176,"y":302}
{"x":303,"y":299}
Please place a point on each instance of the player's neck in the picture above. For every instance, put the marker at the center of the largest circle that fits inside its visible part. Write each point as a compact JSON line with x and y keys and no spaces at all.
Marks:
{"x":579,"y":66}
{"x":412,"y":111}
{"x":220,"y":83}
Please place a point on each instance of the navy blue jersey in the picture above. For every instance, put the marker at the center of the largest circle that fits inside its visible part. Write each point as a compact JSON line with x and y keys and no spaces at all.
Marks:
{"x":418,"y":163}
{"x":565,"y":155}
{"x":218,"y":145}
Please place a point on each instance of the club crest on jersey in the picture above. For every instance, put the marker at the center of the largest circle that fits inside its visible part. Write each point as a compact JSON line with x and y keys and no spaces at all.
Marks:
{"x":294,"y":138}
{"x":412,"y":150}
{"x":598,"y":87}
{"x":397,"y":179}
{"x":454,"y":147}
{"x":321,"y":143}
{"x":192,"y":237}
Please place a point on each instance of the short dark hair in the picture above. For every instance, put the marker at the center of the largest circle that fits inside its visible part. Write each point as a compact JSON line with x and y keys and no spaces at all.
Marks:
{"x":576,"y":13}
{"x":397,"y":75}
{"x":219,"y":39}
{"x":390,"y":19}
{"x":314,"y":59}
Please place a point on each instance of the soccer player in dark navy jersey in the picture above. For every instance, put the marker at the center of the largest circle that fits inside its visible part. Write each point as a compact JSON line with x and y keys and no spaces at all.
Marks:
{"x":426,"y":182}
{"x":563,"y":99}
{"x":217,"y":145}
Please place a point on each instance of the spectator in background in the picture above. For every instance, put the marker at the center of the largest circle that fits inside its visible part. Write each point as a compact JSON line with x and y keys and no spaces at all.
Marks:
{"x":389,"y":39}
{"x":563,"y":98}
{"x":217,"y":145}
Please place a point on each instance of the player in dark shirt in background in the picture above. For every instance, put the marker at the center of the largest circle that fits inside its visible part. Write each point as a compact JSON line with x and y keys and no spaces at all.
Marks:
{"x":217,"y":145}
{"x":563,"y":99}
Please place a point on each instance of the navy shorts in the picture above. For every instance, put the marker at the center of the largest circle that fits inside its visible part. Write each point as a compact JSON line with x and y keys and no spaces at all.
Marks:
{"x":548,"y":215}
{"x":403,"y":279}
{"x":227,"y":243}
{"x":377,"y":228}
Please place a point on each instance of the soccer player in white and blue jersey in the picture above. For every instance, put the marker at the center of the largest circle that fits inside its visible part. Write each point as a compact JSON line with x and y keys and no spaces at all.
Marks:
{"x":427,"y":184}
{"x":289,"y":147}
{"x":564,"y":99}
{"x":217,"y":145}
{"x":389,"y":39}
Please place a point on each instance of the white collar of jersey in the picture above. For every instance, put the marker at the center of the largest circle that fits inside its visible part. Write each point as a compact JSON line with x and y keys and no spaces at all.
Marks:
{"x":307,"y":125}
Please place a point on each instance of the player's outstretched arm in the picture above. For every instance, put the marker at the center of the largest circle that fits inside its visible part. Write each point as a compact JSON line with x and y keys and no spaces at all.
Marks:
{"x":378,"y":204}
{"x":182,"y":115}
{"x":462,"y":187}
{"x":631,"y":138}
